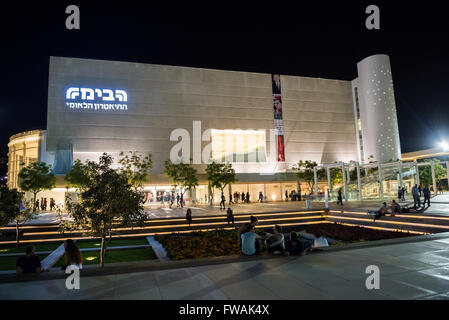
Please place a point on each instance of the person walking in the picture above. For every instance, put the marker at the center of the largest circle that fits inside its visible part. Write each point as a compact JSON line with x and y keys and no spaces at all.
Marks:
{"x":247,"y":197}
{"x":172,"y":199}
{"x":286,"y":195}
{"x":222,"y":203}
{"x":399,"y":193}
{"x":339,"y":198}
{"x":420,"y":191}
{"x":230,"y":199}
{"x":181,"y":200}
{"x":260,"y":197}
{"x":243,"y":197}
{"x":189,"y":216}
{"x":229,"y":216}
{"x":403,"y":193}
{"x":177,"y":200}
{"x":440,"y":188}
{"x":426,"y":192}
{"x":415,"y":194}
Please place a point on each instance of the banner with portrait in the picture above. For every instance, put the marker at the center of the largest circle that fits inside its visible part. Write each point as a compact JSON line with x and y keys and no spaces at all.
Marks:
{"x":278,"y":118}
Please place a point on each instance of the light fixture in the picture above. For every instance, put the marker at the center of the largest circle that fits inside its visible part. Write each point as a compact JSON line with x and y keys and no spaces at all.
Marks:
{"x":444,"y":145}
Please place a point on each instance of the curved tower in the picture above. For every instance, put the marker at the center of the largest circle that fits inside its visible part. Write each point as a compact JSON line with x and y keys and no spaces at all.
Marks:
{"x":375,"y":111}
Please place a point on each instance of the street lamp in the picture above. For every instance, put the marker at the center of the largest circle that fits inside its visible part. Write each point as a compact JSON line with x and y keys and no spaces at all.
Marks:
{"x":444,"y":145}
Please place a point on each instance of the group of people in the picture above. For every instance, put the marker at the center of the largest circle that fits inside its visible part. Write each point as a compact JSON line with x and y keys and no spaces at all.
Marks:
{"x":401,"y":193}
{"x":416,"y":193}
{"x":293,"y":195}
{"x":384,"y":209}
{"x":275,"y":242}
{"x":30,"y":262}
{"x":244,"y":198}
{"x":43,"y":204}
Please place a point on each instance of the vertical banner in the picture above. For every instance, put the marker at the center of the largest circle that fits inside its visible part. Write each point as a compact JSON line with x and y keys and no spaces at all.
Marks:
{"x":278,"y":121}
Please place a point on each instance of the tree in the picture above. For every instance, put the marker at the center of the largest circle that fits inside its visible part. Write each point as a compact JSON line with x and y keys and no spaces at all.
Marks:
{"x":106,"y":196}
{"x":425,"y":173}
{"x":220,"y":175}
{"x":136,"y":168}
{"x":336,"y":175}
{"x":305,"y":172}
{"x":12,"y":209}
{"x":36,"y":177}
{"x":182,"y":175}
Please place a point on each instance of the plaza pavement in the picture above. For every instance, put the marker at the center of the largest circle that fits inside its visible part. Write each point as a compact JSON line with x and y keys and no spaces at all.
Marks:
{"x":408,"y":270}
{"x":439,"y":206}
{"x":415,"y":268}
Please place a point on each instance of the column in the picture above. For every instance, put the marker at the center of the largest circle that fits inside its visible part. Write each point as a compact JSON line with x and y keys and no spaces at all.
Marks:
{"x":343,"y":171}
{"x":348,"y":177}
{"x":447,"y":171}
{"x":24,"y":154}
{"x":381,"y":185}
{"x":400,"y":173}
{"x":329,"y":184}
{"x":193,"y":194}
{"x":434,"y":183}
{"x":417,"y":174}
{"x":230,"y":193}
{"x":359,"y":183}
{"x":315,"y":179}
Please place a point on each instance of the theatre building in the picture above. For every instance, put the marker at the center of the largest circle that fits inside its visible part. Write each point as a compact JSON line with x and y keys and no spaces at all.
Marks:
{"x":262,"y":123}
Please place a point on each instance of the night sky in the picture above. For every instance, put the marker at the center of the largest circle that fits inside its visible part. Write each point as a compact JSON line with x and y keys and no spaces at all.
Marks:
{"x":315,"y":38}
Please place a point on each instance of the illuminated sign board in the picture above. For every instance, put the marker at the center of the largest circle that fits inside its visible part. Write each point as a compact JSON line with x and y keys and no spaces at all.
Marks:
{"x":96,"y":99}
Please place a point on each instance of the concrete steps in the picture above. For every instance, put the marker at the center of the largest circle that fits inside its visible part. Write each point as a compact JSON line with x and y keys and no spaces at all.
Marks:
{"x":41,"y":233}
{"x":412,"y":222}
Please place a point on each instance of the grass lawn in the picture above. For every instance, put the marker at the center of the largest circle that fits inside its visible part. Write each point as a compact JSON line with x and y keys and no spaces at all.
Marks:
{"x":82,"y":244}
{"x":9,"y":263}
{"x":21,"y":249}
{"x":112,"y":256}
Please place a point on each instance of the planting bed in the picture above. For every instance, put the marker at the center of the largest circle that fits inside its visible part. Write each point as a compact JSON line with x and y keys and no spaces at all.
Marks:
{"x":225,"y":242}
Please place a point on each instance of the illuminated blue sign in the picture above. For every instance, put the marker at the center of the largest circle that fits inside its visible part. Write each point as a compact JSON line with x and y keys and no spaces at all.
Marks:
{"x":88,"y":98}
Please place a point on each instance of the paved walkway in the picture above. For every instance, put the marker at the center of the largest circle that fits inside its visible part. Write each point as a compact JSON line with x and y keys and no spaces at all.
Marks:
{"x":206,"y":210}
{"x":416,"y":270}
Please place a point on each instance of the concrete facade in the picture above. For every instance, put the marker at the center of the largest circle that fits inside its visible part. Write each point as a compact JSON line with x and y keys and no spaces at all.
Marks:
{"x":318,"y":114}
{"x":375,"y":111}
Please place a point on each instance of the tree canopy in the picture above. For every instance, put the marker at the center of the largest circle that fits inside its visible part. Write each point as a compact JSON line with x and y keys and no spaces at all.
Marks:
{"x":182,"y":175}
{"x":136,"y":168}
{"x":305,"y":172}
{"x":35,"y":177}
{"x":13,"y":208}
{"x":425,"y":173}
{"x":220,"y":174}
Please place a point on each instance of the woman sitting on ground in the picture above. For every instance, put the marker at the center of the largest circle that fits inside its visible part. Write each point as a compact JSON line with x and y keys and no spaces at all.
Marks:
{"x":72,"y":254}
{"x":297,"y":246}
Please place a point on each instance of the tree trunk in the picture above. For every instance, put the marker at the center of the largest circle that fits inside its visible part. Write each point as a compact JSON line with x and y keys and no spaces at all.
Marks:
{"x":34,"y":201}
{"x":17,"y":234}
{"x":103,"y":250}
{"x":110,"y":234}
